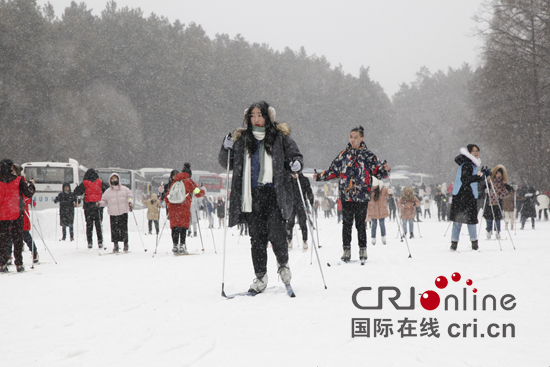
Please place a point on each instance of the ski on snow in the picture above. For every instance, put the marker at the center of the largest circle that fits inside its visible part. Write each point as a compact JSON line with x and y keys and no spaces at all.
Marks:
{"x":288,"y":287}
{"x":346,"y":262}
{"x":114,"y":253}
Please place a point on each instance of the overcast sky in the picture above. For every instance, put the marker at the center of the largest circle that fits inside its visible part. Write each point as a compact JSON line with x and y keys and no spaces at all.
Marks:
{"x":394,"y":38}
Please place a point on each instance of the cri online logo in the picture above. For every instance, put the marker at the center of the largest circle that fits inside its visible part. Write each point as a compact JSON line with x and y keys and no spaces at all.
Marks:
{"x":430,"y":299}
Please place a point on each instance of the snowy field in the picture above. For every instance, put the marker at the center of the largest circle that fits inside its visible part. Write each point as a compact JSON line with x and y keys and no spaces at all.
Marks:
{"x":139,"y":310}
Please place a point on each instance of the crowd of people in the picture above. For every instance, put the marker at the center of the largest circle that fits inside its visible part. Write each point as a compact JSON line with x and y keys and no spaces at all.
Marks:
{"x":270,"y":193}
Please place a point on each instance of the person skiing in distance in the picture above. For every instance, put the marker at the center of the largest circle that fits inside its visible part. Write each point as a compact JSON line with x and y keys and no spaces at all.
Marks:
{"x":465,"y":194}
{"x":408,"y":204}
{"x":119,"y":200}
{"x":220,"y":211}
{"x":528,"y":209}
{"x":499,"y":177}
{"x":67,"y":201}
{"x":12,"y":187}
{"x":508,"y":206}
{"x":180,"y":213}
{"x":354,"y":167}
{"x":92,"y":187}
{"x":378,"y":209}
{"x":153,"y":211}
{"x":262,"y":156}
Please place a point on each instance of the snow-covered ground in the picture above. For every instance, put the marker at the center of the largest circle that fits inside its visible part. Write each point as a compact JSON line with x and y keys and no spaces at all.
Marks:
{"x":140,"y":310}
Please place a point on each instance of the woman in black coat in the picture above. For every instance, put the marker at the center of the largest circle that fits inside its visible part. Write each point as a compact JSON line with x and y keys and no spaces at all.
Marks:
{"x":262,"y":156}
{"x":529,"y":210}
{"x":67,"y":201}
{"x":465,"y":194}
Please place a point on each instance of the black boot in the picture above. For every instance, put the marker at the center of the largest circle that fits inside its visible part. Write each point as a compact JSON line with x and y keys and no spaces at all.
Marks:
{"x":453,"y":245}
{"x":475,"y":245}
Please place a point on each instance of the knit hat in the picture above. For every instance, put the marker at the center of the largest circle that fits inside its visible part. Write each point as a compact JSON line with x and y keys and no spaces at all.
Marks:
{"x":187,"y":168}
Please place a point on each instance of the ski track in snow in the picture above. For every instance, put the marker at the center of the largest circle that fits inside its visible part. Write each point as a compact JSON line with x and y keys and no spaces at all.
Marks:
{"x":136,"y":310}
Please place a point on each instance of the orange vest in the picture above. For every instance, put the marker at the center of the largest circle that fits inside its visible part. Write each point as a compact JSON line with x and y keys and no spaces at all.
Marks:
{"x":9,"y":200}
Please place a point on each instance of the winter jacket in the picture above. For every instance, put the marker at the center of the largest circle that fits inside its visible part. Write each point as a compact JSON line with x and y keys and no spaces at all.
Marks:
{"x":464,"y":203}
{"x":529,"y":209}
{"x":180,"y":214}
{"x":220,"y":208}
{"x":378,"y":209}
{"x":11,"y":189}
{"x":284,"y":151}
{"x":152,"y":207}
{"x":67,"y":201}
{"x":117,"y":198}
{"x":544,"y":201}
{"x":354,"y":168}
{"x":408,"y":203}
{"x":90,"y":190}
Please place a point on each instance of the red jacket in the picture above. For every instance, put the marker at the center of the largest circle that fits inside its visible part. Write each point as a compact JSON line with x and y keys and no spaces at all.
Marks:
{"x":27,"y":226}
{"x":9,"y":200}
{"x":93,"y":190}
{"x":180,"y":214}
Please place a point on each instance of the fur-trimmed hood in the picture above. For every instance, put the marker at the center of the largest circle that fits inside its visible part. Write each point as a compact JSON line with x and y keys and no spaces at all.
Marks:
{"x":504,"y":173}
{"x":465,"y":155}
{"x":281,"y":126}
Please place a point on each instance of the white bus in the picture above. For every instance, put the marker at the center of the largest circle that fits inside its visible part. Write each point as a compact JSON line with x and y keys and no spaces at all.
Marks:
{"x":49,"y":178}
{"x":129,"y":178}
{"x":149,"y":173}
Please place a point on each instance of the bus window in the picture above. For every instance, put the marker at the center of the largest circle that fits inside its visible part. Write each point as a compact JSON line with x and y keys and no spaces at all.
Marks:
{"x":50,"y":175}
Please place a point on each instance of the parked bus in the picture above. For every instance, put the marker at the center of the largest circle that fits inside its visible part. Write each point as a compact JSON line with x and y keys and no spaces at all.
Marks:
{"x":129,"y":178}
{"x":149,"y":173}
{"x":49,"y":178}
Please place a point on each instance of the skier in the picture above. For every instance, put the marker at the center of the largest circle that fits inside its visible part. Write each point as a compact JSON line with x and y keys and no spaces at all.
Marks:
{"x":499,"y":177}
{"x":153,"y":211}
{"x":298,"y":208}
{"x":528,"y":209}
{"x":67,"y":201}
{"x":179,"y":207}
{"x":93,"y":187}
{"x":211,"y":210}
{"x":378,"y":209}
{"x":262,"y":156}
{"x":119,"y":200}
{"x":465,"y":194}
{"x":11,"y":189}
{"x":354,"y":167}
{"x":508,"y":206}
{"x":407,"y":204}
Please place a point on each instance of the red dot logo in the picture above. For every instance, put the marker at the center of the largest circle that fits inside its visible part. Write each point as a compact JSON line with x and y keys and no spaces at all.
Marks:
{"x":456,"y":277}
{"x":429,"y":300}
{"x":474,"y":290}
{"x":441,"y":282}
{"x":469,"y":282}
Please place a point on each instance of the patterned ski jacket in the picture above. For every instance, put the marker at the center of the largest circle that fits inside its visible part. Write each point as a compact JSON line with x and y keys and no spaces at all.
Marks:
{"x":354,"y":168}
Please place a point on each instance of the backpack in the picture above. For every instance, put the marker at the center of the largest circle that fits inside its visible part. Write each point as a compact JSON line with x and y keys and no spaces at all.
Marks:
{"x":177,"y":193}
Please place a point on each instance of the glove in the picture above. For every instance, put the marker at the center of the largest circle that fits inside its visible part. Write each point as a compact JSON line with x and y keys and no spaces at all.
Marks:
{"x":196,"y":191}
{"x":295,"y":166}
{"x":486,"y":171}
{"x":228,"y":142}
{"x":131,"y":205}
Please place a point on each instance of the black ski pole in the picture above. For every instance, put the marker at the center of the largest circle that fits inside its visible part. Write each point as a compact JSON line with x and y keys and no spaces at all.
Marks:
{"x":502,"y":214}
{"x":307,"y":222}
{"x":225,"y":219}
{"x":493,"y":212}
{"x":40,"y":235}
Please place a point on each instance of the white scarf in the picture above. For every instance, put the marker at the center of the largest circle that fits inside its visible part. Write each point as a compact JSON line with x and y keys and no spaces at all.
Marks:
{"x":247,"y":174}
{"x":475,"y":160}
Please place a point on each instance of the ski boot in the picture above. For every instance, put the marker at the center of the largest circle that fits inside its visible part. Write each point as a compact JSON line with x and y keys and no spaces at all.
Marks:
{"x":347,"y":255}
{"x":412,"y":235}
{"x":183,"y":250}
{"x":304,"y":246}
{"x":10,"y":261}
{"x":175,"y":249}
{"x":115,"y":247}
{"x":72,"y":238}
{"x":35,"y":257}
{"x":100,"y":245}
{"x":126,"y":247}
{"x":475,"y":245}
{"x":489,"y":234}
{"x":259,"y":284}
{"x":90,"y":245}
{"x":284,"y":273}
{"x":4,"y":269}
{"x":374,"y":241}
{"x":454,"y":245}
{"x":62,"y":239}
{"x":363,"y":254}
{"x":383,"y":240}
{"x":20,"y":268}
{"x":497,"y":235}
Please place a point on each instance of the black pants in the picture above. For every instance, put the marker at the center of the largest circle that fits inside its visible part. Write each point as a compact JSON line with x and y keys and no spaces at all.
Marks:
{"x":93,"y":215}
{"x":16,"y":229}
{"x":266,"y":224}
{"x":178,"y":235}
{"x":298,"y":211}
{"x":354,"y":210}
{"x":151,"y":221}
{"x":119,"y":228}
